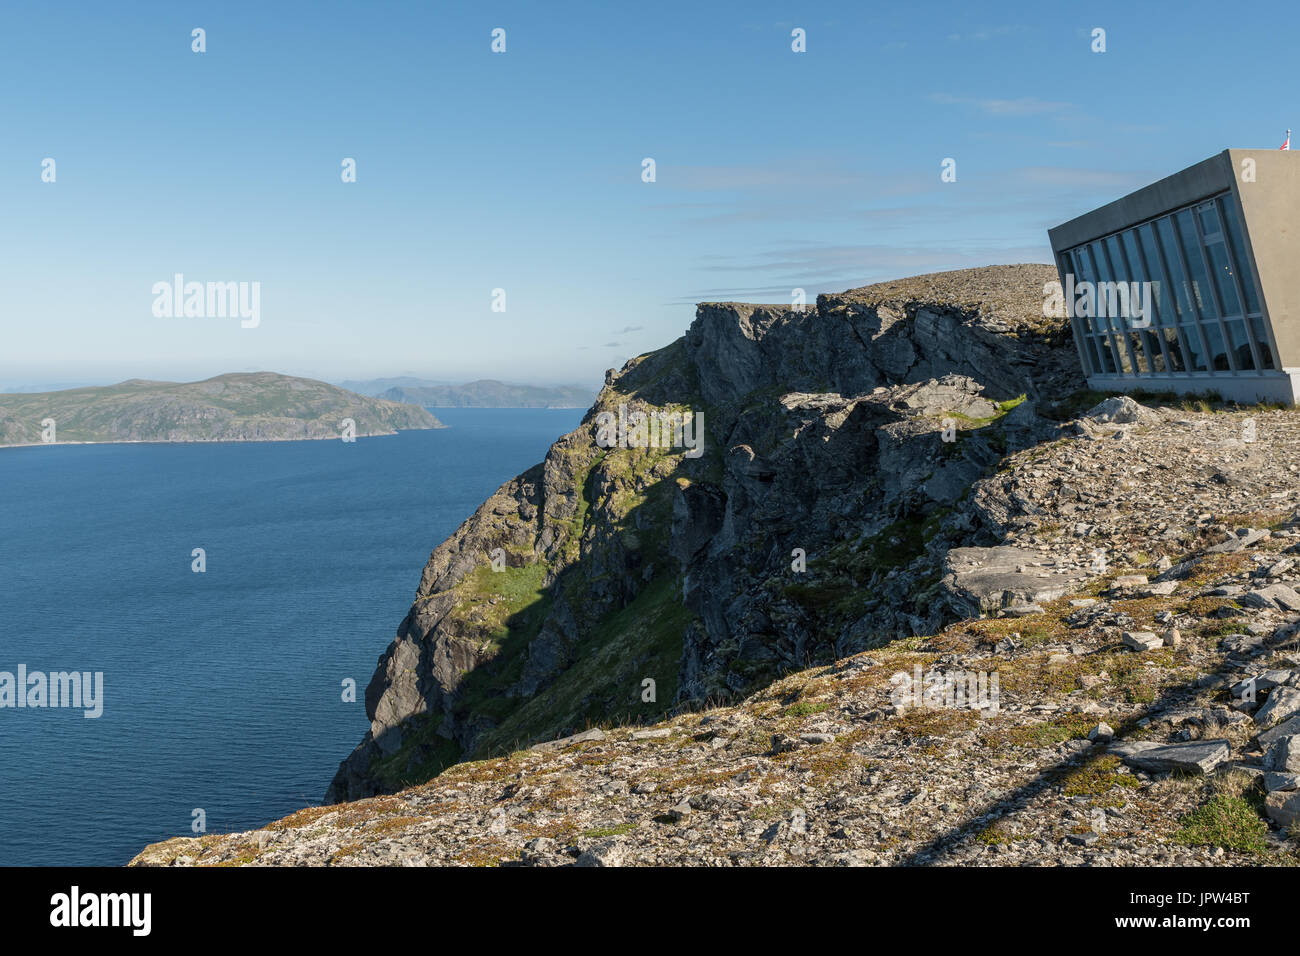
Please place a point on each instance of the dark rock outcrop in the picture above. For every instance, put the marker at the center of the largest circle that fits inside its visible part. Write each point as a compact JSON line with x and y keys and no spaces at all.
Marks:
{"x":840,"y":443}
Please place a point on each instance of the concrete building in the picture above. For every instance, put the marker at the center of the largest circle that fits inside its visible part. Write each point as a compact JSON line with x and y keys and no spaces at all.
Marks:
{"x":1189,"y":284}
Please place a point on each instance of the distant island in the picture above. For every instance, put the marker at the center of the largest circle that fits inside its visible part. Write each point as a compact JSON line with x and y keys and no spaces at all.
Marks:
{"x":243,"y":406}
{"x":489,"y":393}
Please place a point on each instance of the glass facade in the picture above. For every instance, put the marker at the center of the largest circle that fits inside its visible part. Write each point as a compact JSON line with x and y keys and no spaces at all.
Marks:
{"x":1204,"y":307}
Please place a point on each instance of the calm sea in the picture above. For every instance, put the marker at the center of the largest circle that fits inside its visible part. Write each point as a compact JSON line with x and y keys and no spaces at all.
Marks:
{"x":222,"y":690}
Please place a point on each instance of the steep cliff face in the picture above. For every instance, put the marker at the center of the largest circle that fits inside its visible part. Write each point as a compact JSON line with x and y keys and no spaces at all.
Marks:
{"x":630,"y":581}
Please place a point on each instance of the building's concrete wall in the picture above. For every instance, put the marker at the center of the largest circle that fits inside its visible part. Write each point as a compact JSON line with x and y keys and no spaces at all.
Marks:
{"x":1270,"y":205}
{"x":1207,"y":178}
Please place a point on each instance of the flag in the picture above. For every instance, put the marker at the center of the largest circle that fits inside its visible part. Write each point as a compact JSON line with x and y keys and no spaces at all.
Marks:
{"x":1287,"y":143}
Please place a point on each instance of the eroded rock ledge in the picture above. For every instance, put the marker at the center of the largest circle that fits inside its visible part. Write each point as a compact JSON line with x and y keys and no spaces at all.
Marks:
{"x":824,"y":433}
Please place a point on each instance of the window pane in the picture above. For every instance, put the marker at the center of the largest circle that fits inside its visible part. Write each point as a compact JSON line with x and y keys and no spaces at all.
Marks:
{"x":1121,"y":352}
{"x":1083,"y":273}
{"x":1138,"y":277}
{"x":1196,"y":264}
{"x":1151,"y":345}
{"x":1134,"y":342}
{"x":1095,"y":267}
{"x":1240,"y":344}
{"x":1117,"y":262}
{"x":1163,"y":307}
{"x":1089,"y":355}
{"x":1261,"y":342}
{"x":1209,"y":219}
{"x":1239,"y":254}
{"x":1101,"y":271}
{"x":1177,"y":277}
{"x":1102,"y":350}
{"x":1082,"y":265}
{"x":1114,"y":297}
{"x":1223,"y":279}
{"x":1218,"y":351}
{"x":1090,"y":349}
{"x":1136,"y":271}
{"x":1175,"y":349}
{"x":1195,"y":350}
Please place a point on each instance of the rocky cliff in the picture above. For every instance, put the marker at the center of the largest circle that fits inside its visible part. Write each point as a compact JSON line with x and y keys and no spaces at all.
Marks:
{"x":1102,"y":667}
{"x":632,"y":582}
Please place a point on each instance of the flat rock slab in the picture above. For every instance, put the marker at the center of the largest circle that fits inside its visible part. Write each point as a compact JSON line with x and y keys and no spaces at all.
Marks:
{"x":594,"y":734}
{"x":1242,"y":643}
{"x":1260,"y":682}
{"x":1161,"y":588}
{"x":1288,"y":728}
{"x":1142,"y":640}
{"x":1194,"y":756}
{"x":984,"y":580}
{"x":1280,"y":780}
{"x":1023,"y":610}
{"x":1283,"y":807}
{"x":1275,"y":596}
{"x":653,"y":734}
{"x":1130,"y":581}
{"x":1283,"y":703}
{"x":1238,"y":541}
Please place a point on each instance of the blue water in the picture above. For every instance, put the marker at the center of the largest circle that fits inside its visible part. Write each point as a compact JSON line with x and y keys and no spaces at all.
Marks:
{"x":222,"y":690}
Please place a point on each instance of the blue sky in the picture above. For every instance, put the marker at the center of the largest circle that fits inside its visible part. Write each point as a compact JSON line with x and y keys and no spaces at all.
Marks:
{"x":522,"y":170}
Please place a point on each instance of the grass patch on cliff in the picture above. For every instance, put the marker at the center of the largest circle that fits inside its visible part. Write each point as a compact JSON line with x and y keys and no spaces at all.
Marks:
{"x":603,"y":684}
{"x":499,"y":601}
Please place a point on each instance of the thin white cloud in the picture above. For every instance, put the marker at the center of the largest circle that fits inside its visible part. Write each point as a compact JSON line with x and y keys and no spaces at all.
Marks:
{"x":1022,"y":106}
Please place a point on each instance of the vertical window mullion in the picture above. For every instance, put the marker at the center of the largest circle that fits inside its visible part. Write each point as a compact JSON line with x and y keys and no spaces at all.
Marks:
{"x":1171,"y":296}
{"x":1143,"y":270}
{"x":1234,"y":270}
{"x":1122,"y":353}
{"x":1150,"y":271}
{"x":1103,"y":338}
{"x":1214,"y":290}
{"x":1197,"y":320}
{"x":1080,"y":342}
{"x":1243,"y":270}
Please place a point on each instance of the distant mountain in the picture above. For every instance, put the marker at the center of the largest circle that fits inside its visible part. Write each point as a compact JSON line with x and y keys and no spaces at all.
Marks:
{"x":377,"y":386}
{"x":12,"y":387}
{"x":487,"y":393}
{"x":245,"y":406}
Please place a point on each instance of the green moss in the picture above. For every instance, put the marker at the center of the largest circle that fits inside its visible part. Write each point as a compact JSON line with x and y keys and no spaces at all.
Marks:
{"x":603,"y":685}
{"x":497,"y":601}
{"x":1232,"y":822}
{"x":1097,"y":777}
